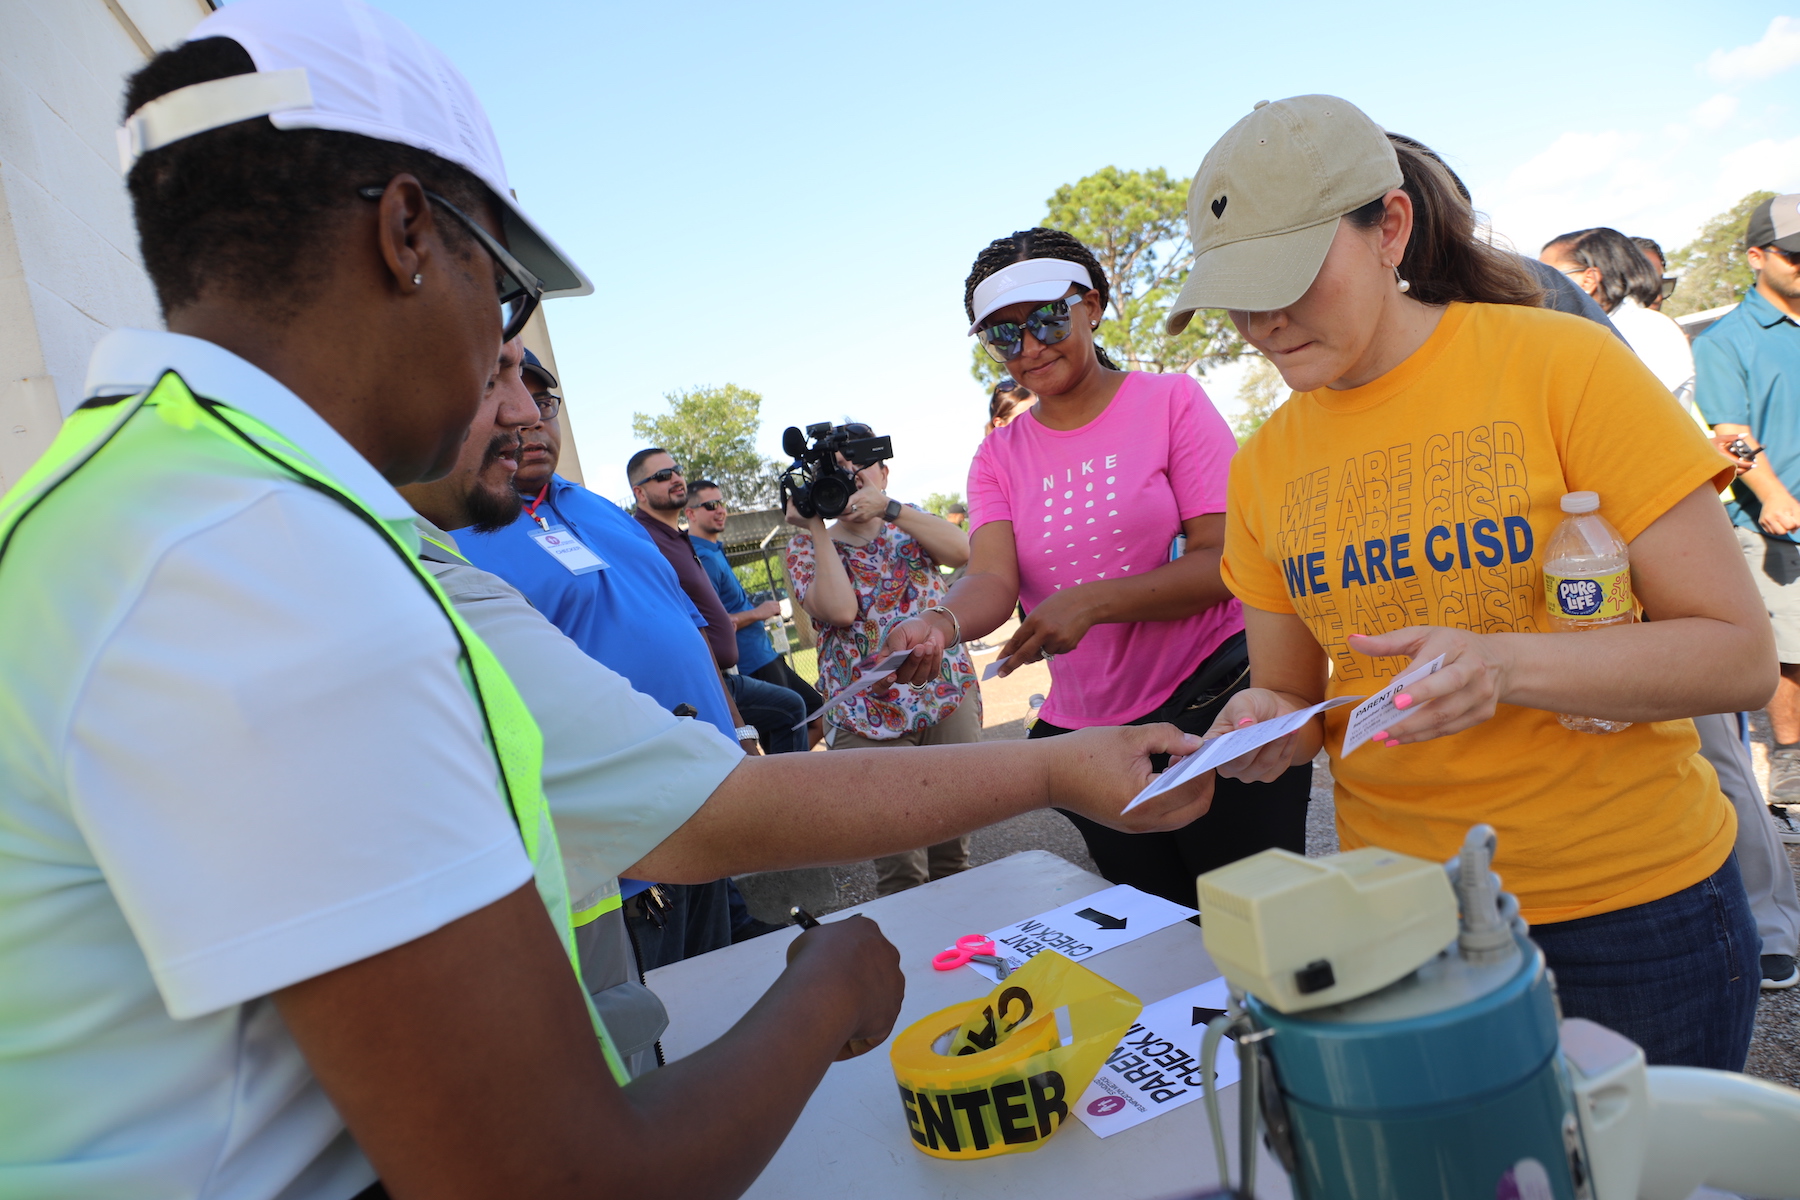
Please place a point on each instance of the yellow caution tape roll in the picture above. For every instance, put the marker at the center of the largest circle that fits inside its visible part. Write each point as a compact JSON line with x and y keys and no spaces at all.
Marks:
{"x":997,"y":1075}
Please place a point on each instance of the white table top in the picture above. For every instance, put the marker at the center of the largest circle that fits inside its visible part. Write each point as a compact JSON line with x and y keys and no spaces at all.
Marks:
{"x":852,"y":1139}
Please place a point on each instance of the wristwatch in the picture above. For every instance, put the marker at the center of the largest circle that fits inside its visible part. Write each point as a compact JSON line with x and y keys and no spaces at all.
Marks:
{"x":747,"y":733}
{"x":893,"y":511}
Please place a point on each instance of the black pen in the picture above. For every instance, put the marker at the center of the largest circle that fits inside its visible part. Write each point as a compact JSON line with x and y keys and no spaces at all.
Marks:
{"x":802,"y":918}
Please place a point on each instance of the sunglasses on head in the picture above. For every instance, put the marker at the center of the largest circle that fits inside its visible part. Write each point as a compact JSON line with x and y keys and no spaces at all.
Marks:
{"x":519,"y":290}
{"x":709,"y":505}
{"x":1049,"y":324}
{"x":662,"y":476}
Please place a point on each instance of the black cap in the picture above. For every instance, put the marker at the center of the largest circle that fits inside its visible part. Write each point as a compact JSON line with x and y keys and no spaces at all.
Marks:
{"x":1776,"y":222}
{"x":961,"y":508}
{"x":539,"y":369}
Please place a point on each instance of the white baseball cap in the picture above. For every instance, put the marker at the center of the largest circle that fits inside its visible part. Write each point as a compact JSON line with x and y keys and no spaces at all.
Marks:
{"x":342,"y":65}
{"x":1033,"y":279}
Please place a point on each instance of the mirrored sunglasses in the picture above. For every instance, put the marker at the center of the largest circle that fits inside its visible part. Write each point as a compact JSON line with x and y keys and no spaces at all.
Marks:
{"x":1049,"y":324}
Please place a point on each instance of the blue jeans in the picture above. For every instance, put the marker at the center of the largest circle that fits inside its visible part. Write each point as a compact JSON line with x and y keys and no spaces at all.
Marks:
{"x":1679,"y":976}
{"x":773,"y":709}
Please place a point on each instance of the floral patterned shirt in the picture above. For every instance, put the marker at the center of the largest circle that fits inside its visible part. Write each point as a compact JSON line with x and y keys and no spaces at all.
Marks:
{"x":894,"y":578}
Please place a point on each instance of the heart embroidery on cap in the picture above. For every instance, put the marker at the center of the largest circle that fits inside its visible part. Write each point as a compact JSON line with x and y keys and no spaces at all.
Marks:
{"x":1218,"y":206}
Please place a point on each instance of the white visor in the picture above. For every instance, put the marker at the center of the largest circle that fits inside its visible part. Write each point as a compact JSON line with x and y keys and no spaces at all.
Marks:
{"x":1033,"y":279}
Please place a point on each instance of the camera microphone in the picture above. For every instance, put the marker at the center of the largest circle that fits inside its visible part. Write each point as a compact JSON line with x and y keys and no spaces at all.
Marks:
{"x":793,"y":442}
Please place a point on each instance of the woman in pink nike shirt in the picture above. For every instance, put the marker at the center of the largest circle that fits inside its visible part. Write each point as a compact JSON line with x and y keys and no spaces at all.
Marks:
{"x":1079,"y":509}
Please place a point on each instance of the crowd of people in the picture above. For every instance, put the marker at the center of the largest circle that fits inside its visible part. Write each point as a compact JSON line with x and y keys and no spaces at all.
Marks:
{"x":359,"y":764}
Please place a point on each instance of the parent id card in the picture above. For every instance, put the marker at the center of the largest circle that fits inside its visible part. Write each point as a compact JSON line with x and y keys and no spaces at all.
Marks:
{"x":567,"y":549}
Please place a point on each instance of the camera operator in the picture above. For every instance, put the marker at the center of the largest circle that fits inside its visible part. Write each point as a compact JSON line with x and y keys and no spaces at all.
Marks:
{"x":885,"y":569}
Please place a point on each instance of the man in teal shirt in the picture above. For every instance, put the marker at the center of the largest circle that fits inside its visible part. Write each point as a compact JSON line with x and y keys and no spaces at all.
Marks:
{"x":706,"y":517}
{"x":1747,"y":382}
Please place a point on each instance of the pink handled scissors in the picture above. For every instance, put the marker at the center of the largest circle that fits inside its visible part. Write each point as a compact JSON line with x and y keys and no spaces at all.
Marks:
{"x":973,"y":947}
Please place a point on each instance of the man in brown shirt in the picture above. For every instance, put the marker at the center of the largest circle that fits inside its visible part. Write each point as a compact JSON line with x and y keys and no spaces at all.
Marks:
{"x":660,"y":489}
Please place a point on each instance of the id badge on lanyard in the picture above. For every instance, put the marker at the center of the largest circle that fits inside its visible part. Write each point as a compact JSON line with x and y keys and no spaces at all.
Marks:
{"x":568,"y":550}
{"x":559,"y":543}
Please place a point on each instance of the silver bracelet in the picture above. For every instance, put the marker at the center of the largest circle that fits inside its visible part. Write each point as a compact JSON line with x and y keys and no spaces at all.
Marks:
{"x":954,"y":624}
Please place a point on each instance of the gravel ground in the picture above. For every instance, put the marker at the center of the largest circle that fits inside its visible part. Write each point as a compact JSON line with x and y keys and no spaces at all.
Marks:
{"x":1774,"y":1052}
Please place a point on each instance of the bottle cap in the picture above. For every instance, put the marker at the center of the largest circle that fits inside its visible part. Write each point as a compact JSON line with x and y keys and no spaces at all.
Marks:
{"x":1580,"y":502}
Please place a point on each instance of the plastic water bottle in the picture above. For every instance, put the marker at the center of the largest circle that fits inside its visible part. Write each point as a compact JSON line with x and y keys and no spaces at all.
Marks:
{"x":1587,"y":583}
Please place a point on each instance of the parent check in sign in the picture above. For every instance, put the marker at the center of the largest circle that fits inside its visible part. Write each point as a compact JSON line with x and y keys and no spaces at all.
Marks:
{"x":1083,"y":928}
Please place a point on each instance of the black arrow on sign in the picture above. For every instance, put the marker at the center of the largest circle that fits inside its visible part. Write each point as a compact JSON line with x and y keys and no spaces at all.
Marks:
{"x":1206,"y":1016}
{"x":1102,"y":919}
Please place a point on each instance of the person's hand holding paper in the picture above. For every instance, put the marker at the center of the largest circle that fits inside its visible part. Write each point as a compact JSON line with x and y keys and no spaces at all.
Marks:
{"x":1462,"y":693}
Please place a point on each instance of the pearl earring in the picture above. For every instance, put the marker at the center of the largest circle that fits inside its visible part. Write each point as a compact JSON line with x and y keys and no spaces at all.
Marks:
{"x":418,"y":280}
{"x":1405,"y":285}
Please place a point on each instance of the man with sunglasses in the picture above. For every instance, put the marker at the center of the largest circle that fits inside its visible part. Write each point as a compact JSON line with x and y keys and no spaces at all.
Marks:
{"x":767,"y":712}
{"x":1747,"y":383}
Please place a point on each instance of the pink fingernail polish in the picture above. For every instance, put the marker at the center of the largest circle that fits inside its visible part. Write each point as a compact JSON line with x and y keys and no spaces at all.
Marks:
{"x":1378,"y":735}
{"x":1403,"y":701}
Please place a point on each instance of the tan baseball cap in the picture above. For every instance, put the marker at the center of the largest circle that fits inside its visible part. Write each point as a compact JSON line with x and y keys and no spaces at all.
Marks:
{"x":1265,"y":203}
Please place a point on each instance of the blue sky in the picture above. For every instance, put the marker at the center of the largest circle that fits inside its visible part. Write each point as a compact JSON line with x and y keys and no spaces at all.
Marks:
{"x":787,"y":196}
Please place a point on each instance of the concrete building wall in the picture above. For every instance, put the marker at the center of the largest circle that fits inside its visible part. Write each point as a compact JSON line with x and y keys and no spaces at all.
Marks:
{"x":69,"y":268}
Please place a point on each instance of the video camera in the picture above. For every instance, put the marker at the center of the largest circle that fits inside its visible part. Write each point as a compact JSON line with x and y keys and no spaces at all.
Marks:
{"x":818,"y":486}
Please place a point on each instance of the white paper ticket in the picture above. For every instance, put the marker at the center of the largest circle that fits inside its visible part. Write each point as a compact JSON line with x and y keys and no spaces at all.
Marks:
{"x":863,"y":683}
{"x":1232,"y":745}
{"x":1378,"y":711}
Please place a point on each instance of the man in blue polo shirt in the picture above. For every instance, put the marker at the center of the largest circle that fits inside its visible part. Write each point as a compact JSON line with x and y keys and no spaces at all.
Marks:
{"x":597,"y":576}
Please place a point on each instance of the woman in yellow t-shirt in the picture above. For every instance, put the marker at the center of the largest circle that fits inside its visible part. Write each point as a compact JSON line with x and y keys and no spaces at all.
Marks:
{"x":1396,"y":509}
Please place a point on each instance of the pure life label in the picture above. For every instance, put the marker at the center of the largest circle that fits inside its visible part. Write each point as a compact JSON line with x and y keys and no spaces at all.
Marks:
{"x":1589,"y":597}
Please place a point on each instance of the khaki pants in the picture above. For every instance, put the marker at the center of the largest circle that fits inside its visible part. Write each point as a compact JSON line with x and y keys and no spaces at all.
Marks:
{"x":897,"y":872}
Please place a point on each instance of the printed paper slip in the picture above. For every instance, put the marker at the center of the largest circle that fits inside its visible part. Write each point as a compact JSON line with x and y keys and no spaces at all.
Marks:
{"x":1378,"y":711}
{"x":1083,"y":928}
{"x":1232,"y":745}
{"x":992,"y":669}
{"x":863,"y":683}
{"x":1156,"y":1066}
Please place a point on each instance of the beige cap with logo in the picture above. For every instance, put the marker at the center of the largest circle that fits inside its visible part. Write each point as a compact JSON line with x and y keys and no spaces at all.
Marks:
{"x":1265,"y":204}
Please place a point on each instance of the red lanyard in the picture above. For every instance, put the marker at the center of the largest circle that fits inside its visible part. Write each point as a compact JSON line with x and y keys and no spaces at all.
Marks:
{"x":531,"y":509}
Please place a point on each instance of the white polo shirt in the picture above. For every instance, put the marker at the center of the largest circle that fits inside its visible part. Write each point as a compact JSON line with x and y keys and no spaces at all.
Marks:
{"x":621,"y":772}
{"x":236,"y":752}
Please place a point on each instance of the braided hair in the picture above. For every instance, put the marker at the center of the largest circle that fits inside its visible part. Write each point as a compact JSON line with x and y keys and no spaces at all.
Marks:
{"x":1038,"y":243}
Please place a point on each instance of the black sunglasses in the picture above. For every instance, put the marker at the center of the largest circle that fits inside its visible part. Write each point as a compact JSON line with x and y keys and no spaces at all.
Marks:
{"x":1792,"y":256}
{"x":1050,"y":324}
{"x":519,"y":290}
{"x":709,"y":505}
{"x":662,"y":476}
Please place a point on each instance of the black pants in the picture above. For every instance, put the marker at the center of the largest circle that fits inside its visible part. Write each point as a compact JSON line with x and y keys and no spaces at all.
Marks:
{"x":1244,"y":818}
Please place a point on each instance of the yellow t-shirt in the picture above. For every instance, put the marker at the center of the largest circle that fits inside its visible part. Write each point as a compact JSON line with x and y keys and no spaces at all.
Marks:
{"x":1425,"y":498}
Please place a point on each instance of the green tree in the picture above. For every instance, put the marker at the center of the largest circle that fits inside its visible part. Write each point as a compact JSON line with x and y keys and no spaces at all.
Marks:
{"x":938,"y":503}
{"x":711,"y":432}
{"x":1261,"y":393}
{"x":1713,"y":269}
{"x":1135,"y":222}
